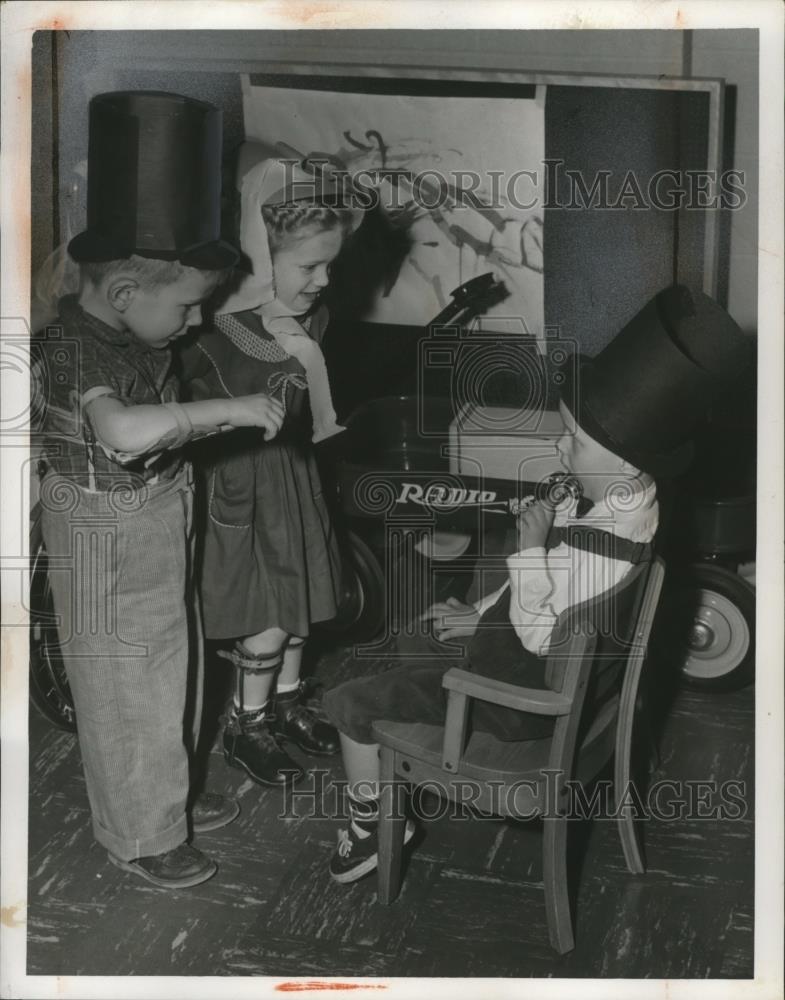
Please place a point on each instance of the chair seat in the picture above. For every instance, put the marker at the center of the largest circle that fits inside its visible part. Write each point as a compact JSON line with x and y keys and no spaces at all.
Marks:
{"x":499,"y":777}
{"x":488,"y":758}
{"x":484,"y":758}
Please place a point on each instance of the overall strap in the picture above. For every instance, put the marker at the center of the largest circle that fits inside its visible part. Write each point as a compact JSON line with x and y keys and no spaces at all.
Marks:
{"x":601,"y":543}
{"x":499,"y":611}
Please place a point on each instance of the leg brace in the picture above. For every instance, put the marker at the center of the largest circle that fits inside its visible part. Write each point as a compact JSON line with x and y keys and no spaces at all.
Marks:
{"x":246,"y":662}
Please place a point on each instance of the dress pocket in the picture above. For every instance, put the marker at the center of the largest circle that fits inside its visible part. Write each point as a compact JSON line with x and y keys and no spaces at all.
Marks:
{"x":232,"y":489}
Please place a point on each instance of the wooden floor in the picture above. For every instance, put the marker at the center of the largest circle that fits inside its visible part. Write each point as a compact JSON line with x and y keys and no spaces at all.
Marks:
{"x":472,"y":902}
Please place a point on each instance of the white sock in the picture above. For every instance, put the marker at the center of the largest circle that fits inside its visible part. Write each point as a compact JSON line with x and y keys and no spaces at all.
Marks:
{"x":251,"y":708}
{"x":285,"y":688}
{"x":366,"y":812}
{"x":359,"y":832}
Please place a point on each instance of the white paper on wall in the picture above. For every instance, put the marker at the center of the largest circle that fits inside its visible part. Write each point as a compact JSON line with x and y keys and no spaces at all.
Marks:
{"x":469,"y":194}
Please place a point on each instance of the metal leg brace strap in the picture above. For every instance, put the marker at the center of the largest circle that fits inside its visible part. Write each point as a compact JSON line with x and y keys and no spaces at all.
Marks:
{"x":252,"y":663}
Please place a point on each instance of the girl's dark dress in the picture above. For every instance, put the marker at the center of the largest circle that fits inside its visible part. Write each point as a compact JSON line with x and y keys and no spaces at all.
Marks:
{"x":270,"y":554}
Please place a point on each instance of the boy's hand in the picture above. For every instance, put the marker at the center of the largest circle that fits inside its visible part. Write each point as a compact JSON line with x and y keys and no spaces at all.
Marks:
{"x":451,"y":619}
{"x":258,"y":410}
{"x":534,"y":525}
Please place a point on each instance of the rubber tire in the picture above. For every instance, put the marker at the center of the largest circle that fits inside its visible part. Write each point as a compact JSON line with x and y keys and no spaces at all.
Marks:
{"x":361,"y":611}
{"x":704,"y":593}
{"x":50,"y":693}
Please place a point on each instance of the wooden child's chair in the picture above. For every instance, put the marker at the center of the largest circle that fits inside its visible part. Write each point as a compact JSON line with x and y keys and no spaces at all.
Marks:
{"x":529,"y":778}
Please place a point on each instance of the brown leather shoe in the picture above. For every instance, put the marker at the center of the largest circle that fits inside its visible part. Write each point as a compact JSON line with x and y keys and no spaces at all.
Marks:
{"x":297,"y":721}
{"x":180,"y":868}
{"x":211,"y":811}
{"x":250,"y":744}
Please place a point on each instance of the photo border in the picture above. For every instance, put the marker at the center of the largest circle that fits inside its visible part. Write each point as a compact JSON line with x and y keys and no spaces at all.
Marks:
{"x":19,"y":21}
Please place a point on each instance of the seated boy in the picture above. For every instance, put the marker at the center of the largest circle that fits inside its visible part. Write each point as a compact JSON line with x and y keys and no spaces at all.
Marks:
{"x":116,"y":494}
{"x":635,"y":407}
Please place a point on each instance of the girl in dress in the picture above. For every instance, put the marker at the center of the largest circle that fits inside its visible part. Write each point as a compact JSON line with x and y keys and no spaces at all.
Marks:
{"x":270,"y":562}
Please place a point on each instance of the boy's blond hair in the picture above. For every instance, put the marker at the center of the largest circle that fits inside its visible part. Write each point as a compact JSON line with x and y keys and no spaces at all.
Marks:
{"x":151,"y":273}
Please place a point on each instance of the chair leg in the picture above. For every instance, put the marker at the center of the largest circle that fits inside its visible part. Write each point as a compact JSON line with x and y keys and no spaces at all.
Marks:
{"x":392,"y":821}
{"x":628,"y":834}
{"x":557,"y":897}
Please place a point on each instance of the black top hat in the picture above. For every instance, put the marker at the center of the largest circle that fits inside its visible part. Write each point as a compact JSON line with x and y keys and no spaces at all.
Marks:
{"x":645,"y":394}
{"x":154,"y":181}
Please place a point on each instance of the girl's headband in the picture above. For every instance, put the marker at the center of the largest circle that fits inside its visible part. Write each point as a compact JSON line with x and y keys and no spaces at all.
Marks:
{"x":318,"y":178}
{"x":277,"y":182}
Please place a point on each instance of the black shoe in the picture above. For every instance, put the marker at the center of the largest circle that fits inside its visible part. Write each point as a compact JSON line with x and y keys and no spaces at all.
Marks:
{"x":355,"y":856}
{"x":179,"y":868}
{"x":250,"y":743}
{"x":298,"y":722}
{"x":211,"y":811}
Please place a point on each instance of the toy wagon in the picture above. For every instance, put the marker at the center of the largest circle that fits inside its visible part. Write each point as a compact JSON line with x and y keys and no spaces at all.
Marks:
{"x":413,"y":462}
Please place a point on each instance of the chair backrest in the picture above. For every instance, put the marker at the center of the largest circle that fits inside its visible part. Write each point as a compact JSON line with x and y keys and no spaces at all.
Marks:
{"x":608,"y":620}
{"x":594,"y":638}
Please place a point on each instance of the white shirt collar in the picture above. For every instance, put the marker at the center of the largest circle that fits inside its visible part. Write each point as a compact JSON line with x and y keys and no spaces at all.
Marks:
{"x":632,"y":514}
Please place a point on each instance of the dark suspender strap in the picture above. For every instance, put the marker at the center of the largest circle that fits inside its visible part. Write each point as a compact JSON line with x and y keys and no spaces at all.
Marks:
{"x":601,"y":543}
{"x":499,"y":611}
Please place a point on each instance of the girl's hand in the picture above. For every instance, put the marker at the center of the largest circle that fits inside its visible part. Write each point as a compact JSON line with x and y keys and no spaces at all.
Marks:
{"x":534,"y":525}
{"x":258,"y":410}
{"x":452,"y":619}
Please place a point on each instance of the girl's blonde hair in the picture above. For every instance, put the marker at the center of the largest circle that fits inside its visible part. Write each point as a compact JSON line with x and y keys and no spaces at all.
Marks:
{"x":285,"y":223}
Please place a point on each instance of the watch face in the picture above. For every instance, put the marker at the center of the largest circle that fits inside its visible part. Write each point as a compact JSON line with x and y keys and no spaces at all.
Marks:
{"x":558,"y":487}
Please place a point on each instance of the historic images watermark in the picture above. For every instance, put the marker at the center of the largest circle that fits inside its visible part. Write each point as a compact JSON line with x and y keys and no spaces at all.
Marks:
{"x":552,"y":795}
{"x":553,"y":185}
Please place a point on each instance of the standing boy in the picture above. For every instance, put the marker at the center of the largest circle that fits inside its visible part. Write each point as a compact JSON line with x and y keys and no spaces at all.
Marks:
{"x":116,"y":493}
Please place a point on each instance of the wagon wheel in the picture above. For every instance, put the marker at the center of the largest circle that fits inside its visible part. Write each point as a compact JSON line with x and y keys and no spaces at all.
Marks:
{"x":361,"y":609}
{"x":49,"y":690}
{"x":710,"y":622}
